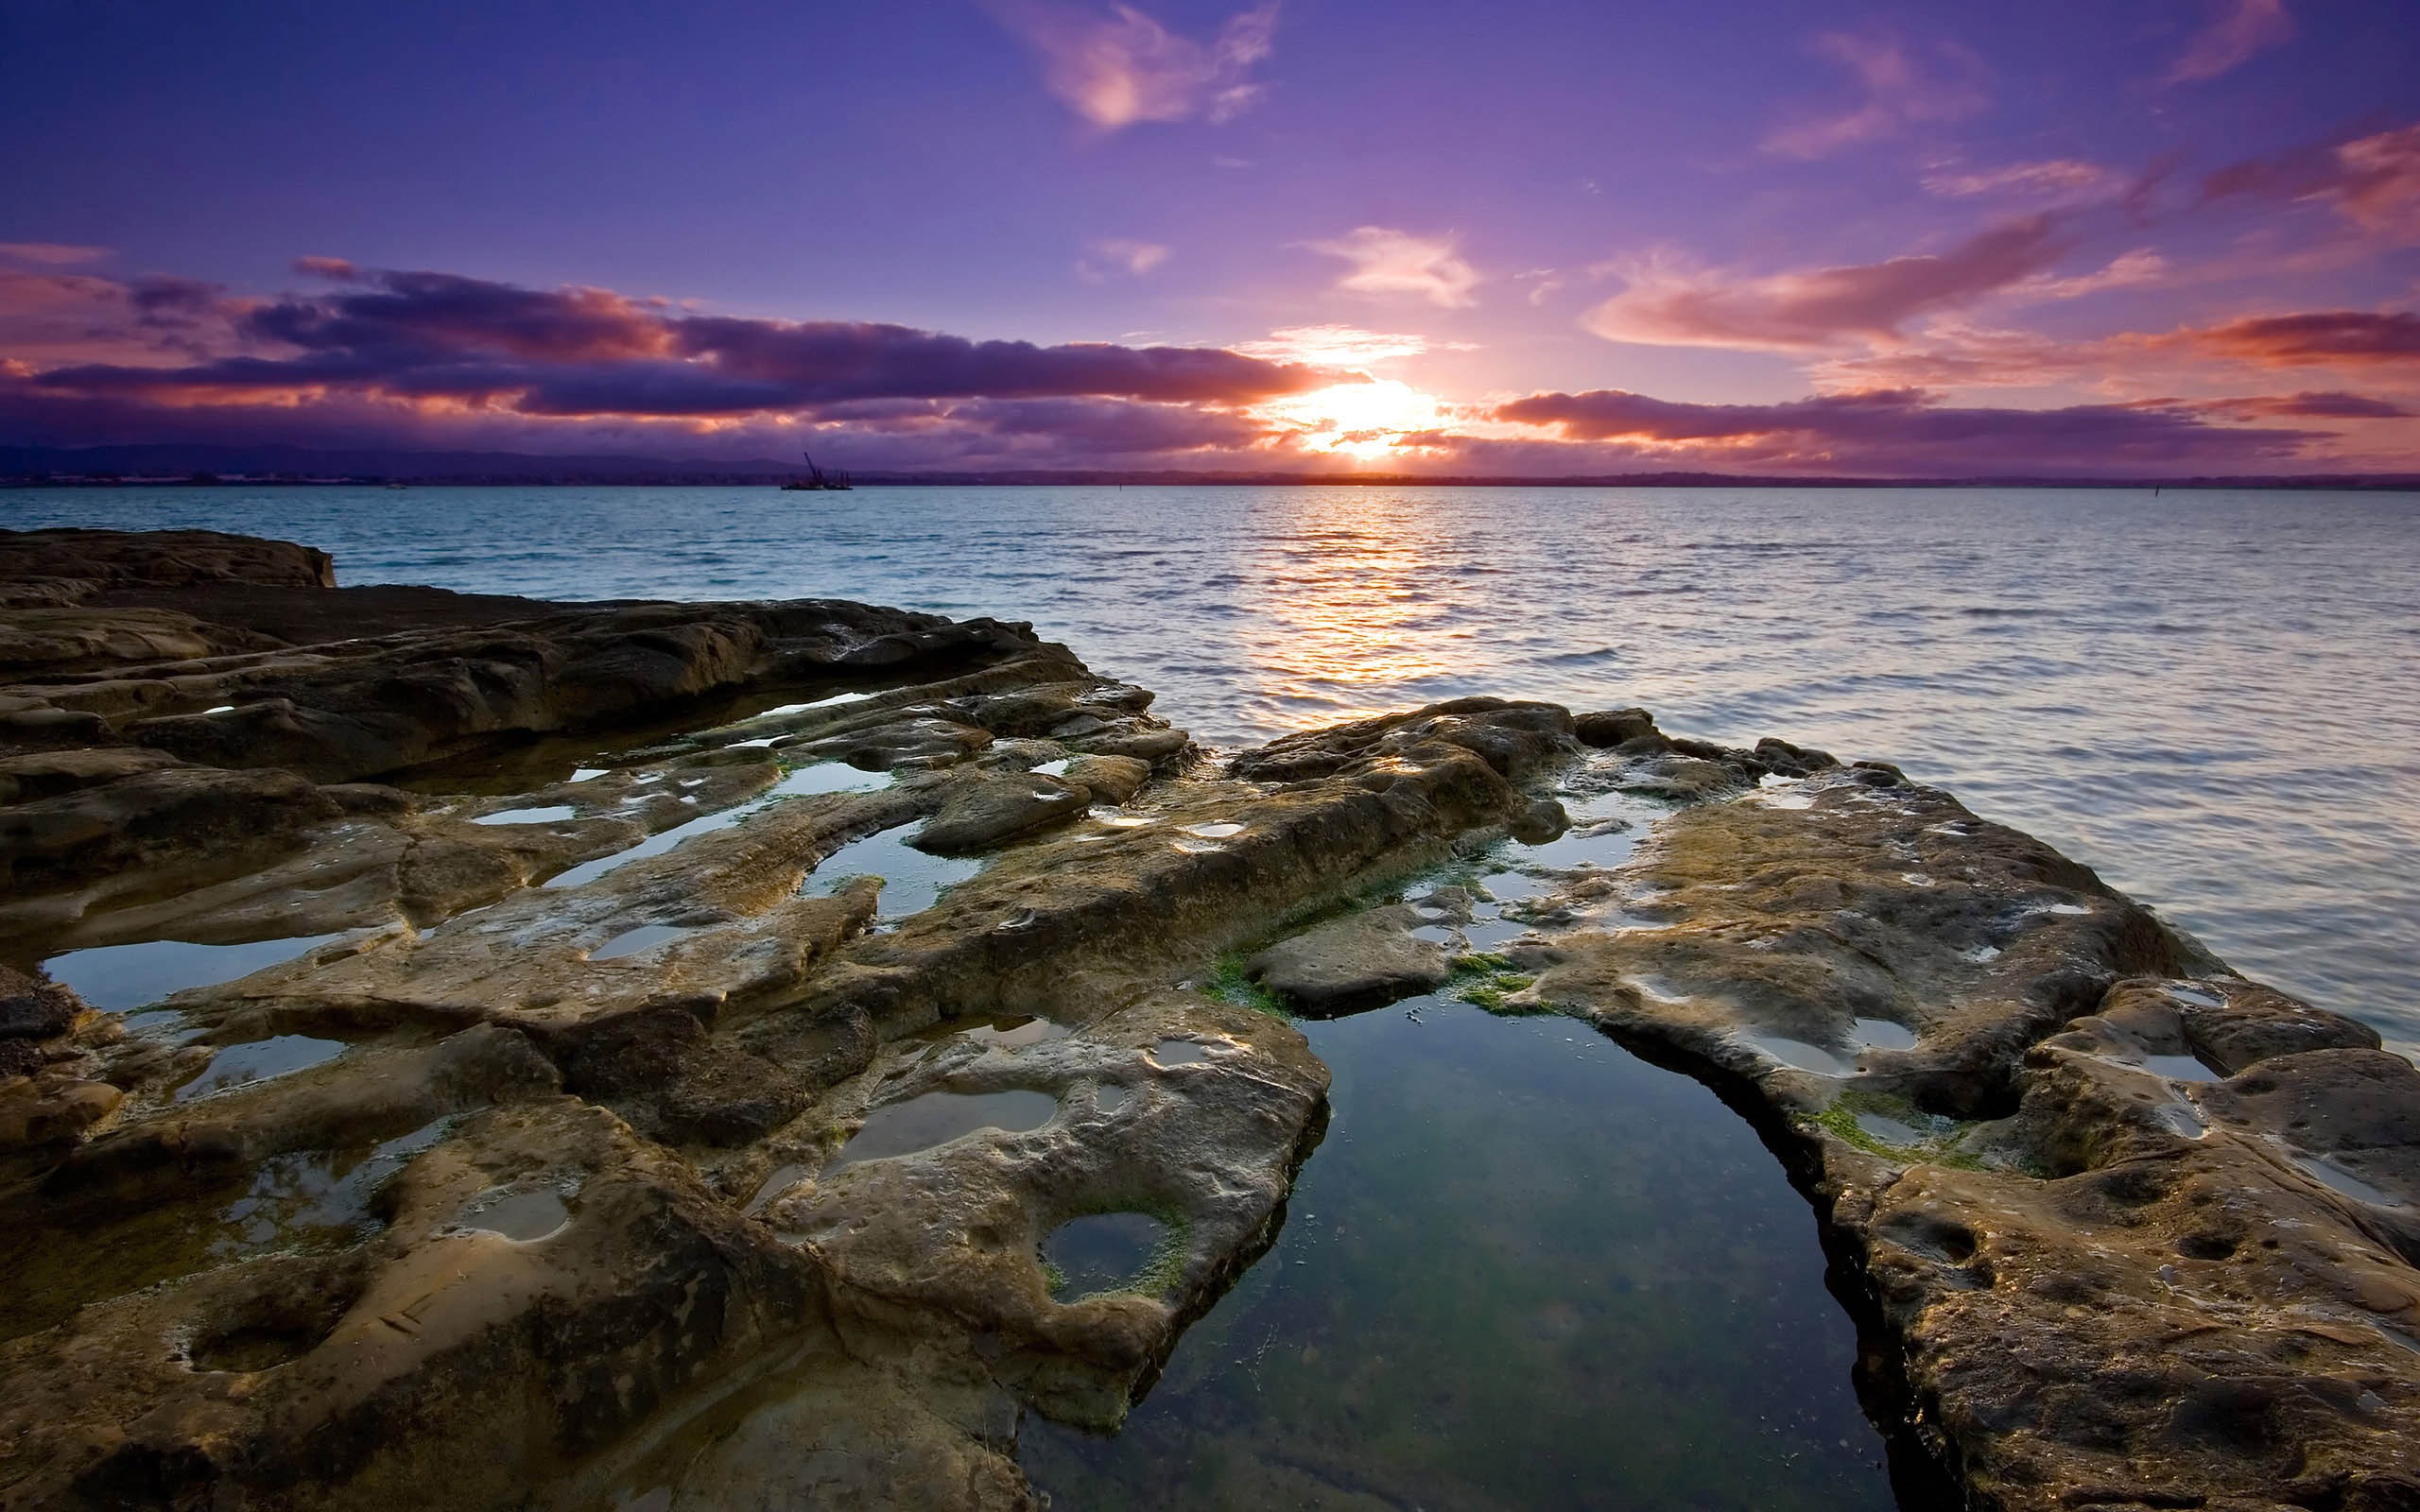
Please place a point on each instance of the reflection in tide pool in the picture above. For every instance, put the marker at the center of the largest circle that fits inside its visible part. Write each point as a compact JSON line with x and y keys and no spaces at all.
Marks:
{"x":936,"y":1118}
{"x":130,"y":976}
{"x":911,"y":880}
{"x":815,"y":777}
{"x":1524,"y":1270}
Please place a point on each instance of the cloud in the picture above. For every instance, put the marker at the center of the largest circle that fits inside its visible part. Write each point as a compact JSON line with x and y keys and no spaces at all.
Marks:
{"x":2241,"y":31}
{"x":2124,"y":271}
{"x":1122,"y":68}
{"x":1903,"y":432}
{"x":1117,"y":256}
{"x":51,"y":254}
{"x":442,"y":340}
{"x":2332,"y":405}
{"x":2065,"y":180}
{"x":47,"y":318}
{"x":2372,"y":181}
{"x":1670,"y":305}
{"x":1545,"y":283}
{"x":2321,"y":338}
{"x":1339,"y":346}
{"x":1899,"y":88}
{"x":1387,"y":263}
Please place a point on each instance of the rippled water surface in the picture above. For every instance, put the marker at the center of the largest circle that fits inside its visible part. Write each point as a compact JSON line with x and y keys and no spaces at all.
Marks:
{"x":2212,"y":696}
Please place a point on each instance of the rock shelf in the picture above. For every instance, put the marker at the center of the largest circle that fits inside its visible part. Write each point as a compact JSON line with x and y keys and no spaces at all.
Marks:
{"x":519,"y":1168}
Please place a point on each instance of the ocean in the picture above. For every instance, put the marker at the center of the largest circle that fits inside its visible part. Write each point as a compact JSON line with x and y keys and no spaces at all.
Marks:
{"x":2211,"y":697}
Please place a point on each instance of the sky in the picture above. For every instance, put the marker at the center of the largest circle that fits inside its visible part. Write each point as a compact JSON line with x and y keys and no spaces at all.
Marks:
{"x":1530,"y":239}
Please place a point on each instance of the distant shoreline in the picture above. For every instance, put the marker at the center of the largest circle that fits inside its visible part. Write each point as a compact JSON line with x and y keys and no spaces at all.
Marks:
{"x":2393,"y":483}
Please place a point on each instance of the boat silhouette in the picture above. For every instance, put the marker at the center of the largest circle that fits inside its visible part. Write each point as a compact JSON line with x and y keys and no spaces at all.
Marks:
{"x":816,"y":480}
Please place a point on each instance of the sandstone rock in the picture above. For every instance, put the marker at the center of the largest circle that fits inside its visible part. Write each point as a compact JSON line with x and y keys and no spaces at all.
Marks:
{"x":32,"y":1009}
{"x":1357,"y":962}
{"x":979,"y":813}
{"x":1110,"y":779}
{"x":574,"y":1165}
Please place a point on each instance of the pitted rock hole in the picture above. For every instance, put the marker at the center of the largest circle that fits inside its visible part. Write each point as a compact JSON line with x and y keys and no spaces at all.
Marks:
{"x":522,"y":1213}
{"x":631,"y":941}
{"x":1101,"y":1252}
{"x":937,"y":1118}
{"x":258,"y":1061}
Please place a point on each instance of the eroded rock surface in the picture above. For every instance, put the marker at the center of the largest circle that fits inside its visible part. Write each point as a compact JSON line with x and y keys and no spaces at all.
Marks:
{"x":641,"y":1053}
{"x":691,"y":1024}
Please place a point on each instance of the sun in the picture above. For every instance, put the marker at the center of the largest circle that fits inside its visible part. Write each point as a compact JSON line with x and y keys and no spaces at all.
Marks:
{"x":1364,"y":420}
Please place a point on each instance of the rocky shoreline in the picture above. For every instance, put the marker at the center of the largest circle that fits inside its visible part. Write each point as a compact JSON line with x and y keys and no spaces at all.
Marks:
{"x":698,"y":1020}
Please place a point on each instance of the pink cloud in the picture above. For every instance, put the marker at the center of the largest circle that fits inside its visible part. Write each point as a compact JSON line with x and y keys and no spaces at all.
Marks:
{"x":2361,"y":339}
{"x":2241,"y":31}
{"x":1386,"y":261}
{"x":1810,"y":309}
{"x":2061,"y":178}
{"x":1899,"y":88}
{"x":2372,"y":181}
{"x":1122,"y":68}
{"x":1904,"y":432}
{"x":51,"y":254}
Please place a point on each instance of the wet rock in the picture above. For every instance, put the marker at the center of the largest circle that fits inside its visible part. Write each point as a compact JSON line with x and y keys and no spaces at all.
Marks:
{"x":1357,"y":962}
{"x":1109,"y":779}
{"x":161,"y":558}
{"x":2255,"y":1023}
{"x":979,"y":813}
{"x":621,"y":1079}
{"x":35,"y":1010}
{"x":2111,"y":1277}
{"x":1616,"y":727}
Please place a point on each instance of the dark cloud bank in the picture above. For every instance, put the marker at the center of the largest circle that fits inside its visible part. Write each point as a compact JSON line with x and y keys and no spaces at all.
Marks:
{"x":424,"y":361}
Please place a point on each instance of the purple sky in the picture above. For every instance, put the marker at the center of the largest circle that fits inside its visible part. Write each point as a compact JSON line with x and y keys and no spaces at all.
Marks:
{"x":2149,"y":236}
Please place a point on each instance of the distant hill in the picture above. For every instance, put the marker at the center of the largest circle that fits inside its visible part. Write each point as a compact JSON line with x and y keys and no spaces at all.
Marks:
{"x":182,"y":462}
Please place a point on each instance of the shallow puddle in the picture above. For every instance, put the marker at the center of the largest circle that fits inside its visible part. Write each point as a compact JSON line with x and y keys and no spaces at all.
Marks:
{"x":308,"y":1201}
{"x":1101,"y":1252}
{"x":130,"y":977}
{"x":2335,"y":1177}
{"x":1801,"y":1055}
{"x":1015,"y":1033}
{"x":911,"y":880}
{"x":542,"y":816}
{"x":2180,"y":1068}
{"x":822,"y":777}
{"x":1178,"y":1051}
{"x":1880,"y":1034}
{"x":522,"y":1215}
{"x":631,"y":941}
{"x":937,"y":1118}
{"x":1524,"y":1269}
{"x":1574,"y":851}
{"x":259,"y":1060}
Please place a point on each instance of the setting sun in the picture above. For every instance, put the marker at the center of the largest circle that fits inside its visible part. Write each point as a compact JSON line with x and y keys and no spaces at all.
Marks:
{"x":1363,"y":420}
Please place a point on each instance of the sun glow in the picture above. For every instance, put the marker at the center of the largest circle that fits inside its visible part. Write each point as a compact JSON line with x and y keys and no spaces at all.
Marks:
{"x":1364,"y":420}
